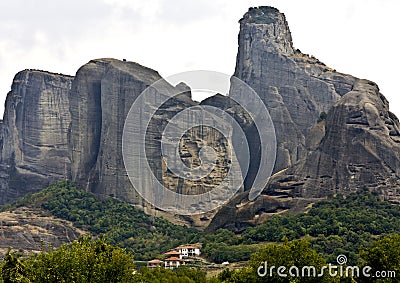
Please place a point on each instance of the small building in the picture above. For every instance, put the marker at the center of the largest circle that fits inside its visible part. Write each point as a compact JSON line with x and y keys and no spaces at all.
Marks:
{"x":187,"y":251}
{"x":174,"y":254}
{"x":155,"y":263}
{"x":173,"y":262}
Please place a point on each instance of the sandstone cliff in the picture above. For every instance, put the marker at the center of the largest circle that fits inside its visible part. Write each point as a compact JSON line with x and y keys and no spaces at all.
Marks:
{"x":60,"y":127}
{"x":102,"y":93}
{"x":356,"y":148}
{"x":295,"y":87}
{"x":34,"y":133}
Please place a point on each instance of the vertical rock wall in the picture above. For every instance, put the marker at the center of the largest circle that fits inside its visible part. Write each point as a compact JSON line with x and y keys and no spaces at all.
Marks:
{"x":295,"y":87}
{"x":34,"y":133}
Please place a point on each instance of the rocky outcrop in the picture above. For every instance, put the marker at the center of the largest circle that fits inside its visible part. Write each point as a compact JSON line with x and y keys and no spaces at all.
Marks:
{"x":60,"y":127}
{"x":34,"y":133}
{"x":103,"y":92}
{"x":359,"y":150}
{"x":354,"y":147}
{"x":101,"y":96}
{"x":31,"y":230}
{"x":295,"y":87}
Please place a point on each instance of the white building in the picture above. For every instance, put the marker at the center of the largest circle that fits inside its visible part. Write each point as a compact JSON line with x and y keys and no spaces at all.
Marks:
{"x":189,"y":251}
{"x":155,"y":263}
{"x":174,"y":254}
{"x":173,"y":262}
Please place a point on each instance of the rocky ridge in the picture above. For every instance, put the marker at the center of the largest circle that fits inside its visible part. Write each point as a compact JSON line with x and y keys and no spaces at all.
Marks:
{"x":60,"y":127}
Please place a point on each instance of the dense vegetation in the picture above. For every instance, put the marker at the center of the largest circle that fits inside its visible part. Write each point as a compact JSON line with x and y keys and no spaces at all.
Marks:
{"x":82,"y":261}
{"x":382,"y":255}
{"x":124,"y":225}
{"x":224,"y":245}
{"x":339,"y":225}
{"x":88,"y":260}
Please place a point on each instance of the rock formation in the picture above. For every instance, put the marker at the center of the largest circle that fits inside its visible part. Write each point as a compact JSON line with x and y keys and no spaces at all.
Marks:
{"x":359,"y":150}
{"x":102,"y":93}
{"x":61,"y":127}
{"x":356,"y":148}
{"x":295,"y":88}
{"x":34,"y":133}
{"x":335,"y":133}
{"x":31,"y":230}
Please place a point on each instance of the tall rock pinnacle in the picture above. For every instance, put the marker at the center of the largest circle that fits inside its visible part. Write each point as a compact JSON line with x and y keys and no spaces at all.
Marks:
{"x":295,"y":87}
{"x":353,"y":146}
{"x":265,"y":28}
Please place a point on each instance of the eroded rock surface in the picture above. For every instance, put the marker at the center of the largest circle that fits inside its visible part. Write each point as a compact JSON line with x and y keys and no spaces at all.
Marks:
{"x":295,"y":87}
{"x":34,"y":133}
{"x":356,"y":148}
{"x":31,"y":230}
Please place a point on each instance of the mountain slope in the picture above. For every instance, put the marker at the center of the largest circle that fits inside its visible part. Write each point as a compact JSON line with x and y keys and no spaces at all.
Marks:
{"x":32,"y":229}
{"x":124,"y":225}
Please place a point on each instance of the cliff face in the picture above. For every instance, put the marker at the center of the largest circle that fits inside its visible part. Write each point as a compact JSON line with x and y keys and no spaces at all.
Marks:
{"x":360,"y":149}
{"x":34,"y":133}
{"x":103,"y":92}
{"x":60,"y":127}
{"x":295,"y":88}
{"x":356,"y":148}
{"x":101,"y":96}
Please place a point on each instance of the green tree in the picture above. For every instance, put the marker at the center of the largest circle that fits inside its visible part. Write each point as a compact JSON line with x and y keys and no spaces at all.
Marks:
{"x":179,"y":275}
{"x":383,"y":255}
{"x":85,"y":260}
{"x":13,"y":269}
{"x":296,"y":253}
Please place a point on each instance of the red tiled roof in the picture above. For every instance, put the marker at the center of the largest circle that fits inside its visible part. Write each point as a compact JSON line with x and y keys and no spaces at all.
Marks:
{"x":188,"y":247}
{"x":155,"y":261}
{"x":173,"y":258}
{"x":172,"y":253}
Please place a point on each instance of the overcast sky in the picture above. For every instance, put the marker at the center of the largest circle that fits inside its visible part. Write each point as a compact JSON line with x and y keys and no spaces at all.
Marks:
{"x":359,"y":37}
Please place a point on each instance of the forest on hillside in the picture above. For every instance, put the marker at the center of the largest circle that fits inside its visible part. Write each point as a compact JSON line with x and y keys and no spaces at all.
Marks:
{"x":361,"y":226}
